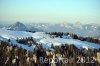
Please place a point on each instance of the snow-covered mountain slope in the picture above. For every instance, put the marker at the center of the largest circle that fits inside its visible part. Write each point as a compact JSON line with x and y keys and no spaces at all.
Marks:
{"x":3,"y":39}
{"x":17,"y":26}
{"x":8,"y":34}
{"x":29,"y":48}
{"x":45,"y":39}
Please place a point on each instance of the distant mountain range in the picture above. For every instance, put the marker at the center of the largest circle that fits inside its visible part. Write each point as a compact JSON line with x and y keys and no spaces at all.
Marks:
{"x":77,"y":28}
{"x":18,"y":26}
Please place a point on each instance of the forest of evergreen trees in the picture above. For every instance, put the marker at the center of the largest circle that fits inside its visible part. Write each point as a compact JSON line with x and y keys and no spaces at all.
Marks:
{"x":12,"y":55}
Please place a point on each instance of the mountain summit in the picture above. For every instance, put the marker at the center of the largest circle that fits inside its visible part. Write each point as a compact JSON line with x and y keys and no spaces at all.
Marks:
{"x":17,"y":26}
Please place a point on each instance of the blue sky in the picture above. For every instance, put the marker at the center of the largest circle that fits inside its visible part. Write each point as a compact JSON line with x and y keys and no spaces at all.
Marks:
{"x":85,"y":11}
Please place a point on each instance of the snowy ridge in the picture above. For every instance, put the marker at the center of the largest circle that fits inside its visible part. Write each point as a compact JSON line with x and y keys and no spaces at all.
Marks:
{"x":8,"y":34}
{"x":45,"y":39}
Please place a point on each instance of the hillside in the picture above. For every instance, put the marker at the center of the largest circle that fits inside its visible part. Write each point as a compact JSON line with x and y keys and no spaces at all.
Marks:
{"x":45,"y":39}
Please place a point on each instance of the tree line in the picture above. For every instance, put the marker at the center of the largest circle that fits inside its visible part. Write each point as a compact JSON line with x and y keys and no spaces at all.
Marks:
{"x":74,"y":36}
{"x":12,"y":55}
